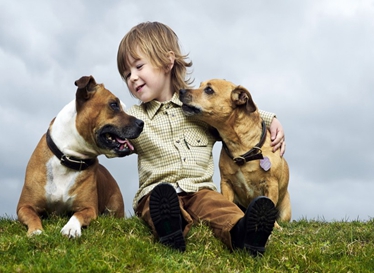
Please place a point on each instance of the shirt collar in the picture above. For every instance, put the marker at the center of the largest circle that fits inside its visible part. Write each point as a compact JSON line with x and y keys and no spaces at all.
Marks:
{"x":153,"y":106}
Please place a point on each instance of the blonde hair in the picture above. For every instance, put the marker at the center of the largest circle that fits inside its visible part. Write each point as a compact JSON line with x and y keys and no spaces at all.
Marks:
{"x":155,"y":40}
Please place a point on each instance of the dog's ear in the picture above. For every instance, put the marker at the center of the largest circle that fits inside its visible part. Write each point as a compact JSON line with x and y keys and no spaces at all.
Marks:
{"x":86,"y":84}
{"x":241,"y":97}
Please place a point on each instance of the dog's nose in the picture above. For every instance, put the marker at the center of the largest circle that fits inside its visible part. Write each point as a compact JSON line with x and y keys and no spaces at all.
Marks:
{"x":139,"y":123}
{"x":182,"y":92}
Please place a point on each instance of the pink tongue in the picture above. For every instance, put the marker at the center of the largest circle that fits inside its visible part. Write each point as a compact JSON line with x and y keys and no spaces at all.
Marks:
{"x":122,"y":141}
{"x":129,"y":144}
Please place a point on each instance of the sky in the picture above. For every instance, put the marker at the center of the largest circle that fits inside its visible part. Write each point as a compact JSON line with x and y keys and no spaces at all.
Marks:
{"x":311,"y":62}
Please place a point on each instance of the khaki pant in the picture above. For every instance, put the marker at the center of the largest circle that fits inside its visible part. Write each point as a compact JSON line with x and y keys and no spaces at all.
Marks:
{"x":207,"y":206}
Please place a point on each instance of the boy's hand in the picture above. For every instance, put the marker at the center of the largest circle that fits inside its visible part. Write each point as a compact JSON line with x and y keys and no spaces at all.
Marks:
{"x":277,"y":136}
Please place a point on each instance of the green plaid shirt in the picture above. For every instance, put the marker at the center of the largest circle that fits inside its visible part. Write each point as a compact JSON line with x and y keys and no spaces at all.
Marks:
{"x":174,"y":148}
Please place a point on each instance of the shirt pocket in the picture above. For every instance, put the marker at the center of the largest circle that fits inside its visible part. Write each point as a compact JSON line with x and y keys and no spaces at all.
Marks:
{"x":199,"y":148}
{"x":196,"y":137}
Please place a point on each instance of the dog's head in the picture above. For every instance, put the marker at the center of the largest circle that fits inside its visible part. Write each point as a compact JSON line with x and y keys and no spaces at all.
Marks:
{"x":101,"y":119}
{"x":215,"y":101}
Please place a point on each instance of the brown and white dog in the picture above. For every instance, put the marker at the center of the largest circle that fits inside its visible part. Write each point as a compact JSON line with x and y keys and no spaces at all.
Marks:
{"x":247,"y":164}
{"x":63,"y":175}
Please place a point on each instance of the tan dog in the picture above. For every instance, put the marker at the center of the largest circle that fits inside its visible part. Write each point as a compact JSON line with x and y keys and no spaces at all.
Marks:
{"x":247,"y":164}
{"x":63,"y":174}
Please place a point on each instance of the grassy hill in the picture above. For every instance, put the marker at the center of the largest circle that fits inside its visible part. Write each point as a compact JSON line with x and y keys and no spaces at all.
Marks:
{"x":126,"y":245}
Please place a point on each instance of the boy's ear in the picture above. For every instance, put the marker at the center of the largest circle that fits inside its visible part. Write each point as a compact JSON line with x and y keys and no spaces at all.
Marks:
{"x":171,"y":57}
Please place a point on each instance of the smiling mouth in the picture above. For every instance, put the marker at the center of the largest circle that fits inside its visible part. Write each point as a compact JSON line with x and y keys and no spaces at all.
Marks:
{"x":137,"y":89}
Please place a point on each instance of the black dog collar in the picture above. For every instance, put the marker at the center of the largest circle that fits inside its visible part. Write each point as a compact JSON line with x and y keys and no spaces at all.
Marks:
{"x":253,"y":154}
{"x":67,"y":161}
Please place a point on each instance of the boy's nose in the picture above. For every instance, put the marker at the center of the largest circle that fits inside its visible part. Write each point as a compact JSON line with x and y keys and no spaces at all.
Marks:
{"x":134,"y":77}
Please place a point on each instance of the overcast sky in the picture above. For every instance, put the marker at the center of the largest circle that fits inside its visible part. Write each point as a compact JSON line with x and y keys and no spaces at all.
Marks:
{"x":310,"y":62}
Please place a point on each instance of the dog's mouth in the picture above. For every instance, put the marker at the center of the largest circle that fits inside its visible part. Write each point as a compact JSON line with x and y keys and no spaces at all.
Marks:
{"x":190,"y":110}
{"x":117,"y":140}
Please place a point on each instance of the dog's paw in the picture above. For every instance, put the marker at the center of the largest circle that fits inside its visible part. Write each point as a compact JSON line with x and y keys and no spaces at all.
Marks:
{"x":72,"y":229}
{"x":277,"y":226}
{"x":34,"y":233}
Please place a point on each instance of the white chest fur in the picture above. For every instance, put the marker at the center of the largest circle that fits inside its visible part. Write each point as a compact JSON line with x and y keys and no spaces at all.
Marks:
{"x":59,"y":182}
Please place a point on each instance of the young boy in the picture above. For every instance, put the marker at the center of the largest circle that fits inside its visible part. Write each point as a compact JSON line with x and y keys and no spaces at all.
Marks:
{"x":175,"y":161}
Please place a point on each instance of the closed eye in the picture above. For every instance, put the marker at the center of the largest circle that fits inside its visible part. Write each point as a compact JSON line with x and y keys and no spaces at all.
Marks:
{"x":138,"y":67}
{"x":208,"y":90}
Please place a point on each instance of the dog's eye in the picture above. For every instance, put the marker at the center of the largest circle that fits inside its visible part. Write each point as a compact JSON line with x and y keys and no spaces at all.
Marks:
{"x":208,"y":90}
{"x":114,"y":105}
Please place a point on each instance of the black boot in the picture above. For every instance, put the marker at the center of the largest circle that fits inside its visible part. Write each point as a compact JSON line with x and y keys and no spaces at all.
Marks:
{"x":166,"y":216}
{"x":253,"y":230}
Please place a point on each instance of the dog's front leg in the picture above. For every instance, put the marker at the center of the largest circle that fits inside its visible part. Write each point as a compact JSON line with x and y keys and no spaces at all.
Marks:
{"x":271,"y":189}
{"x":73,"y":227}
{"x":272,"y":192}
{"x":227,"y":190}
{"x":29,"y":217}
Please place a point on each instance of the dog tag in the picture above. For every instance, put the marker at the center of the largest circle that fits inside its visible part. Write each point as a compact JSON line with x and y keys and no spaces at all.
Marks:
{"x":265,"y":164}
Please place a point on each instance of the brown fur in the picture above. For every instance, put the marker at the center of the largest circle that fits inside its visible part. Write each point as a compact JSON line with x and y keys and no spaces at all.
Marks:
{"x":94,"y":190}
{"x":230,"y":109}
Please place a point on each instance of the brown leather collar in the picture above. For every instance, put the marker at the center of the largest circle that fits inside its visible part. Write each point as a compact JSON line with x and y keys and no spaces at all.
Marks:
{"x":253,"y":154}
{"x":68,"y":161}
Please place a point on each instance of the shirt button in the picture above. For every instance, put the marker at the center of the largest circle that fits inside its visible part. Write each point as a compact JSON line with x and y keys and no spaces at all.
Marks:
{"x":177,"y":141}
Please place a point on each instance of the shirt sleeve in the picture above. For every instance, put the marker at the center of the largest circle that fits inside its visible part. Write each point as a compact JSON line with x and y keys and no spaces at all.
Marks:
{"x":267,"y":117}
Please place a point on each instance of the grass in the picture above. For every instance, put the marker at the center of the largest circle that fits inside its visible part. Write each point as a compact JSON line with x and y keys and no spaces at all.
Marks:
{"x":126,"y":245}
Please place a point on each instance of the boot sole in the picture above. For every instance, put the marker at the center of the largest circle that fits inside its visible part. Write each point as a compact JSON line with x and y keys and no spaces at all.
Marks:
{"x":260,"y":219}
{"x":166,"y":216}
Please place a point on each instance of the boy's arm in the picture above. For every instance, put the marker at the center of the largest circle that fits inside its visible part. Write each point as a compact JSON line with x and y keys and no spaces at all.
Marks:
{"x":276,"y":130}
{"x":267,"y":117}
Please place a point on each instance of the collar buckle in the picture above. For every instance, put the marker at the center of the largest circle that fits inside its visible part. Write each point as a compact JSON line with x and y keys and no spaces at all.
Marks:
{"x":239,"y":160}
{"x":66,"y":161}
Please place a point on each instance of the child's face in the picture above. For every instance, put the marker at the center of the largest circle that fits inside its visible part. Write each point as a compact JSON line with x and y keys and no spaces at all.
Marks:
{"x":147,"y":82}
